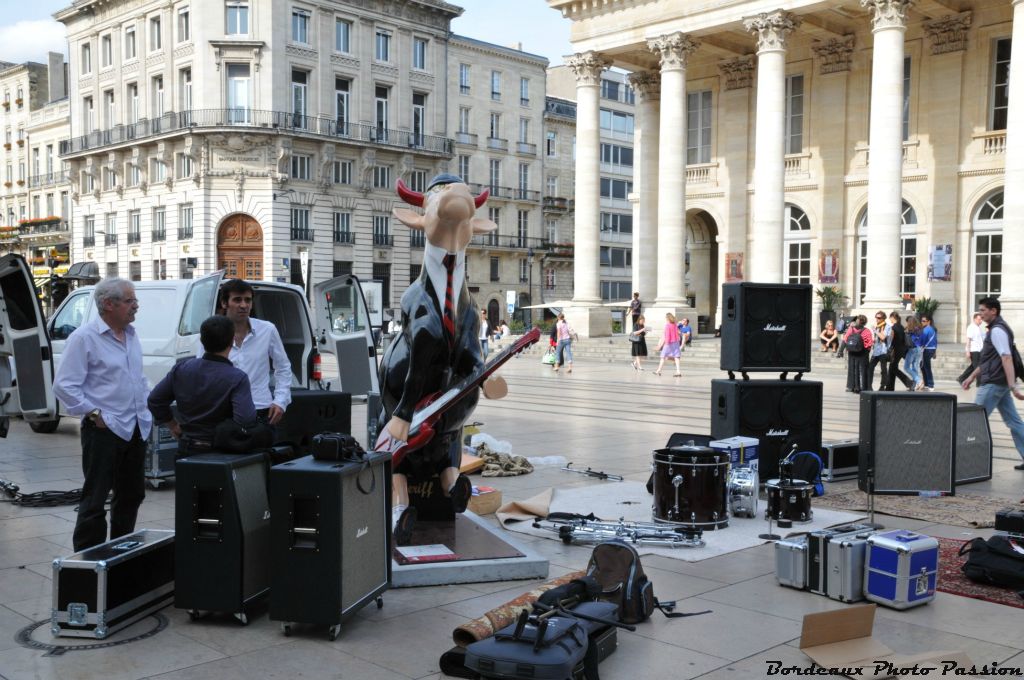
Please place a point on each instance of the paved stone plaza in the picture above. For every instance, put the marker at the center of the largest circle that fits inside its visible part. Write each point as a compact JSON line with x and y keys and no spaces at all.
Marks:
{"x":606,"y":416}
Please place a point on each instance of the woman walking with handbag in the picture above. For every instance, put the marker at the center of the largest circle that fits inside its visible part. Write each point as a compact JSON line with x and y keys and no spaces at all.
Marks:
{"x":669,"y":345}
{"x":638,"y":343}
{"x":565,"y":337}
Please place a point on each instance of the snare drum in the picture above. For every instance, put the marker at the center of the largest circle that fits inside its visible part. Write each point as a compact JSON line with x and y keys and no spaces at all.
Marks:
{"x":790,"y":501}
{"x":690,"y":487}
{"x":742,"y":487}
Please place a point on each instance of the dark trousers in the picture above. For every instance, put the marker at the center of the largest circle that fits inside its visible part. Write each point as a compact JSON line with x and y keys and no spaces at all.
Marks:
{"x":895,"y":372}
{"x":975,"y":357}
{"x":882,"y":359}
{"x":857,"y":376}
{"x":109,"y":463}
{"x":926,"y":368}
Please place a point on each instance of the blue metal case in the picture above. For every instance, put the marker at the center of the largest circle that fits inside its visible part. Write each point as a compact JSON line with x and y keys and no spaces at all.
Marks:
{"x":901,"y":569}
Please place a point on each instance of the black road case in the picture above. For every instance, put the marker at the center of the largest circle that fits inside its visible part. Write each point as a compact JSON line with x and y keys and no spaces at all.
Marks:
{"x":102,"y":589}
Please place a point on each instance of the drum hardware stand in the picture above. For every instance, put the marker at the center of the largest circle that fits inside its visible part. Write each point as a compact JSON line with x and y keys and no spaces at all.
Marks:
{"x":582,"y":530}
{"x":593,"y":473}
{"x":770,"y":536}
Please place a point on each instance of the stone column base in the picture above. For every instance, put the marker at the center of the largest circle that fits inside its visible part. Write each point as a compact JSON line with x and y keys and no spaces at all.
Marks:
{"x":655,"y":317}
{"x":589,"y":321}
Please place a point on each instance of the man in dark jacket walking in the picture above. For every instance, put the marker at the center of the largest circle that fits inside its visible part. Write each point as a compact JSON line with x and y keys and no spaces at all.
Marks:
{"x":897,"y":350}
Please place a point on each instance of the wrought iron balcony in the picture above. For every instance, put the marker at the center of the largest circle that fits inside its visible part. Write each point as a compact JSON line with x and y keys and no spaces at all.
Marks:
{"x":134,"y":237}
{"x":344,"y":236}
{"x":88,"y":241}
{"x":159,"y":235}
{"x":302,"y":234}
{"x":495,"y":241}
{"x":48,"y":179}
{"x":320,"y":126}
{"x":184,"y":233}
{"x":507,"y":193}
{"x":417,"y":239}
{"x":383,"y":240}
{"x":557,"y":204}
{"x":42,"y":226}
{"x":110,"y":239}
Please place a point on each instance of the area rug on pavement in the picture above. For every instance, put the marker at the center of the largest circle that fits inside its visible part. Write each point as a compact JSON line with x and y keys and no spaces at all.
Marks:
{"x":631,"y":502}
{"x":962,"y":510}
{"x":952,"y":580}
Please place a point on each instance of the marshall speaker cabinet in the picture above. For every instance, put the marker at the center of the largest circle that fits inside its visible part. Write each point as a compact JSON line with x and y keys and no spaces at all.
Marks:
{"x":973,"y":444}
{"x":778,"y":413}
{"x":907,"y":442}
{"x":222,"y":524}
{"x":331,"y":538}
{"x":765,"y":327}
{"x":310,"y":413}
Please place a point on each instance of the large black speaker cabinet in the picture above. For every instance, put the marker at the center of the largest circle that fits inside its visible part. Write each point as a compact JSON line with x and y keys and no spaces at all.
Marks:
{"x":222,"y":532}
{"x":779,"y":413}
{"x":312,"y":412}
{"x":907,"y":441}
{"x":331,"y":545}
{"x":766,"y":327}
{"x":973,"y":444}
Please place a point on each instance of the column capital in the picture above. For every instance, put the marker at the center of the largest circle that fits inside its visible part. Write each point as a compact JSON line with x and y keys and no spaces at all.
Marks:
{"x":887,"y":13}
{"x":772,"y":29}
{"x":673,"y":49}
{"x":587,"y":67}
{"x":738,"y":72}
{"x":647,"y":84}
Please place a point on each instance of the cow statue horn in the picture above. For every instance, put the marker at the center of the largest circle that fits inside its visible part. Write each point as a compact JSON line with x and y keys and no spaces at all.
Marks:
{"x":482,"y":198}
{"x":411,"y":197}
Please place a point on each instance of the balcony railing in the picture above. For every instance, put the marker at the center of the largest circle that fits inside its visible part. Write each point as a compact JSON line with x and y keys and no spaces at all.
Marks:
{"x":343,"y":236}
{"x":497,"y":143}
{"x":38,"y":227}
{"x":158,"y":235}
{"x":417,"y":239}
{"x":509,"y":242}
{"x":383,"y":240}
{"x":110,"y":239}
{"x":526,"y":148}
{"x":467,"y":138}
{"x":134,"y":237}
{"x":48,"y":179}
{"x":508,"y":193}
{"x":994,"y":142}
{"x":184,"y":233}
{"x":302,"y":234}
{"x":88,"y":241}
{"x":255,"y":118}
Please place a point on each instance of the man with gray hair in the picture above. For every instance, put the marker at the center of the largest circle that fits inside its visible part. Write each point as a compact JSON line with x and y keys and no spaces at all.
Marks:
{"x":100,"y":378}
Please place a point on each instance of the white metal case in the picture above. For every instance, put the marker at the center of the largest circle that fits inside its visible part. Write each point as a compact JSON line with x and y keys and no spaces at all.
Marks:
{"x":791,"y":562}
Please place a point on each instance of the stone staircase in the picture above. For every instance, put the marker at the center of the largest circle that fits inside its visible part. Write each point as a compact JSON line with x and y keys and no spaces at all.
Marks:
{"x":704,"y":352}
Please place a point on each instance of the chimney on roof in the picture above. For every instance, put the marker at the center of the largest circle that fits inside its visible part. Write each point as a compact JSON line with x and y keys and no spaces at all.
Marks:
{"x":55,"y":76}
{"x":517,"y":46}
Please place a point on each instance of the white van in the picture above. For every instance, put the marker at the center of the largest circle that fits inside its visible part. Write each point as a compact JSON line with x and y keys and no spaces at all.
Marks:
{"x":171,"y":311}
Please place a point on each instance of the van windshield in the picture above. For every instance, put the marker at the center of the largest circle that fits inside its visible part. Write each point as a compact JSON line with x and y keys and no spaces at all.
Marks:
{"x":153,"y":322}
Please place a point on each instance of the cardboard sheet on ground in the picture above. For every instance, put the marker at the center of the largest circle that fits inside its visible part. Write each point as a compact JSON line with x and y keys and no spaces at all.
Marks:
{"x":631,"y":502}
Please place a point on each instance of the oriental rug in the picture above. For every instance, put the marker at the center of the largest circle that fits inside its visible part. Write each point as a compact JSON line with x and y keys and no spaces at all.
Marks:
{"x":952,"y":580}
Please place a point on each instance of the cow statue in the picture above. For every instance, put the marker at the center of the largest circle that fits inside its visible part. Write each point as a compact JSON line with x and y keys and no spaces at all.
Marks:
{"x":439,"y":346}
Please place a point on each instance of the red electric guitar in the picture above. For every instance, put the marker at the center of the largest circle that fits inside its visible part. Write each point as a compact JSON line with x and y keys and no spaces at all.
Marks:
{"x":430,"y":409}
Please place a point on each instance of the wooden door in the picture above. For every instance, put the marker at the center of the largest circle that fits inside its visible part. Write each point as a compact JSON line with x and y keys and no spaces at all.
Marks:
{"x":240,"y":248}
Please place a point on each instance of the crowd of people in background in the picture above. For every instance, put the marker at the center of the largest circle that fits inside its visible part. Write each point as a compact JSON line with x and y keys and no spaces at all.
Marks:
{"x":883,"y":345}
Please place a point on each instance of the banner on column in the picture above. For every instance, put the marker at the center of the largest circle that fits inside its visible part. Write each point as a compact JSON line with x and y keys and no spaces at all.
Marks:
{"x":733,"y":267}
{"x":940,"y":264}
{"x":828,"y":265}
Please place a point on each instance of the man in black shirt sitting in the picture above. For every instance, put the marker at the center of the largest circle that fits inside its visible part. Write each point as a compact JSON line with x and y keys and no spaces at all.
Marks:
{"x":208,"y":391}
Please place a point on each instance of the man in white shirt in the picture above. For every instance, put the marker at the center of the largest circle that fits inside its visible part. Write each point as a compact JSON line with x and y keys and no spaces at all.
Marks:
{"x":101,"y":378}
{"x":256,"y":349}
{"x":975,"y":341}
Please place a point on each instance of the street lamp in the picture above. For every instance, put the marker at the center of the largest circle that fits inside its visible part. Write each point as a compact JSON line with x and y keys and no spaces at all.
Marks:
{"x":529,"y":290}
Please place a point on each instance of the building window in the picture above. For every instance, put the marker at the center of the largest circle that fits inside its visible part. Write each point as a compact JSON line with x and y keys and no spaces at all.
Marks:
{"x":795,"y":114}
{"x":464,"y":168}
{"x":342,"y":268}
{"x":698,"y":127}
{"x":342,"y":89}
{"x":300,"y":166}
{"x":342,"y":227}
{"x":495,"y":126}
{"x":908,"y":267}
{"x":86,"y":59}
{"x":158,"y":96}
{"x":617,"y":223}
{"x":617,"y":122}
{"x":495,"y":269}
{"x":106,"y":51}
{"x":906,"y":98}
{"x":299,"y":98}
{"x":524,"y":91}
{"x":551,"y":229}
{"x":159,"y":216}
{"x":381,"y":230}
{"x":494,"y":179}
{"x":88,"y":115}
{"x":988,"y":248}
{"x":342,"y":35}
{"x":381,"y":96}
{"x":551,"y":144}
{"x":1000,"y":102}
{"x":342,"y":172}
{"x":798,"y":262}
{"x":419,"y":118}
{"x":184,"y":166}
{"x":237,"y":22}
{"x":159,"y":270}
{"x":464,"y":74}
{"x":414,"y":271}
{"x":522,"y":227}
{"x":617,"y":155}
{"x":184,"y":25}
{"x":524,"y":130}
{"x":615,"y":188}
{"x":616,"y":257}
{"x":419,"y":54}
{"x":130,"y":47}
{"x":239,"y":93}
{"x":300,"y":225}
{"x":133,"y":102}
{"x":300,"y":26}
{"x":381,"y":177}
{"x":155,"y":34}
{"x":157,"y":170}
{"x":382,"y":273}
{"x":465,"y":114}
{"x":109,"y":110}
{"x":524,"y":180}
{"x":552,"y":185}
{"x":496,"y":85}
{"x":418,"y":180}
{"x":524,"y":270}
{"x":185,"y":80}
{"x":382,"y":51}
{"x":111,"y":227}
{"x":134,"y":227}
{"x":109,"y":179}
{"x":134,"y":175}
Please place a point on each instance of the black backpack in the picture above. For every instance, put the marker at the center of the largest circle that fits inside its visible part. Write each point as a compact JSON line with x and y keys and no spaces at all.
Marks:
{"x":855,"y":342}
{"x":807,"y":466}
{"x":616,"y":567}
{"x":994,"y":562}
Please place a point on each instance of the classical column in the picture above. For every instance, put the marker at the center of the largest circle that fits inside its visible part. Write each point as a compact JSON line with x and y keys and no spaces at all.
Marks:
{"x":1012,"y":298}
{"x":765,"y":253}
{"x":885,"y":159}
{"x":645,"y":184}
{"x":672,"y":49}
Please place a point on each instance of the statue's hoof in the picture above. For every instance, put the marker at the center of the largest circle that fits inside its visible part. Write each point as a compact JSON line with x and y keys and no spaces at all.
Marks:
{"x":403,"y":524}
{"x":461,"y":493}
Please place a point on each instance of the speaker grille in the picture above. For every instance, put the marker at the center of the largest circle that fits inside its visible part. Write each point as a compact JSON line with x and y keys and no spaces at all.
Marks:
{"x":766,"y":327}
{"x":973,"y":444}
{"x":364,"y":540}
{"x":908,"y":442}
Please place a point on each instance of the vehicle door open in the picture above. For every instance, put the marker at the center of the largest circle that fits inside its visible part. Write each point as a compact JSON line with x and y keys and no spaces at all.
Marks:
{"x":343,"y":330}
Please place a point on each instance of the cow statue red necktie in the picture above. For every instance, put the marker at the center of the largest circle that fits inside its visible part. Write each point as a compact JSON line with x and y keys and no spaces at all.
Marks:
{"x":449,"y":299}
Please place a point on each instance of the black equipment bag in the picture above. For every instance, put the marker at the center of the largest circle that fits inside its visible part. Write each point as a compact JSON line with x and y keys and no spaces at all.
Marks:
{"x":995,"y":562}
{"x":336,"y":446}
{"x":1011,"y":521}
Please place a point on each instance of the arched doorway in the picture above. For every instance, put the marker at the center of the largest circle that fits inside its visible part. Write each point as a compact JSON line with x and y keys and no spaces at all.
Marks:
{"x":987,"y":248}
{"x":240,"y":247}
{"x":493,"y":313}
{"x":702,"y":267}
{"x":908,"y":252}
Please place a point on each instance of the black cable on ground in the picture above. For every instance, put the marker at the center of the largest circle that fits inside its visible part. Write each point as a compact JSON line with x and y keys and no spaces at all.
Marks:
{"x":39,"y":499}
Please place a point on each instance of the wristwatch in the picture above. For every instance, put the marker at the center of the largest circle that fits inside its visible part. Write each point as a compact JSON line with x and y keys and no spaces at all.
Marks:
{"x":93,"y":415}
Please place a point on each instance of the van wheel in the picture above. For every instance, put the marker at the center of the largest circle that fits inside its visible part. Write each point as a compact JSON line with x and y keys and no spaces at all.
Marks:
{"x":45,"y":426}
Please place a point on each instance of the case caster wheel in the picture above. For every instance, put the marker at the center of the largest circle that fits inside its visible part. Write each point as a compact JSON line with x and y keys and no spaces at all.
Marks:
{"x":286,"y":628}
{"x":242,"y":618}
{"x":155,"y":483}
{"x":332,"y":632}
{"x":194,"y":614}
{"x":380,"y":602}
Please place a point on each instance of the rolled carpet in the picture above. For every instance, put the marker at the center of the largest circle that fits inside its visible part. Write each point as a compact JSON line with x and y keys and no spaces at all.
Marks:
{"x":499,"y":617}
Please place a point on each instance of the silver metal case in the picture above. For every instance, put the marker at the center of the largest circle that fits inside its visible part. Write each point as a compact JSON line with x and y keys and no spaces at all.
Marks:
{"x":840,"y":459}
{"x":846,"y":567}
{"x":791,"y":562}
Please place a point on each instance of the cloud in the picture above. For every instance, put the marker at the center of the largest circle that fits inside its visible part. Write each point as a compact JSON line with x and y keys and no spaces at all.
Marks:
{"x":31,"y":40}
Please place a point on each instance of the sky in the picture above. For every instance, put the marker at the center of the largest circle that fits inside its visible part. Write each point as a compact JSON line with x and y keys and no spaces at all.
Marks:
{"x":28,"y":31}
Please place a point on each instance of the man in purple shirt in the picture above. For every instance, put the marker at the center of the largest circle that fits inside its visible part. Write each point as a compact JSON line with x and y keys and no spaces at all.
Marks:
{"x":100,"y":378}
{"x":208,"y":391}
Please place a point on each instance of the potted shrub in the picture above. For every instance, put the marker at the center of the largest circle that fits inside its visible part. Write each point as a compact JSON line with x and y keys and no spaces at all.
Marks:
{"x":832,"y":299}
{"x":924,"y":306}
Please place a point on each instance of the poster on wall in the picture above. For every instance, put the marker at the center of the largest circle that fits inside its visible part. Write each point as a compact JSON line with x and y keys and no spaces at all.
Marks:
{"x":733,"y":267}
{"x":828,"y":265}
{"x":940,"y":264}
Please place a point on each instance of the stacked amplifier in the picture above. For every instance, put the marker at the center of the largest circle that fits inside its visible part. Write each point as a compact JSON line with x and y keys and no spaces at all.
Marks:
{"x":766,"y":328}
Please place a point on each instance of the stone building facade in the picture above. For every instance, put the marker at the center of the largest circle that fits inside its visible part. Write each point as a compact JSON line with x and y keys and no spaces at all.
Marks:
{"x":755,"y":127}
{"x":559,"y":189}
